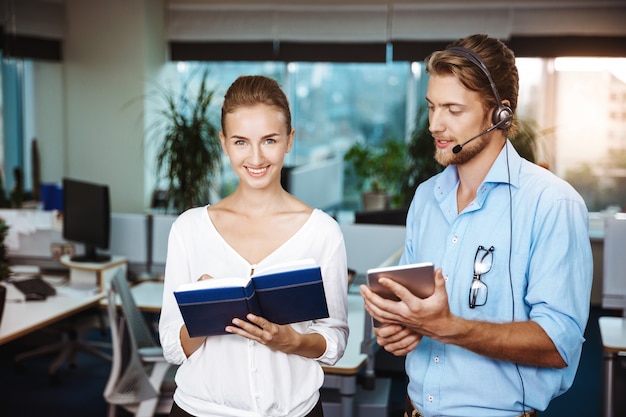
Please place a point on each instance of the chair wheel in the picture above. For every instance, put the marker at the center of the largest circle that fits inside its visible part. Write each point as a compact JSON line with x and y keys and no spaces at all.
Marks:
{"x":19,"y":367}
{"x":54,"y":380}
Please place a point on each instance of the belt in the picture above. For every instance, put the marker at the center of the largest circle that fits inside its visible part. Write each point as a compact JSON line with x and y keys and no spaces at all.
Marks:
{"x":411,"y":411}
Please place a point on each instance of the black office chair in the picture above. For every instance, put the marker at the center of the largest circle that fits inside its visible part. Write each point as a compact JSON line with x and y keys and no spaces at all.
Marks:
{"x":391,"y":216}
{"x":141,"y":381}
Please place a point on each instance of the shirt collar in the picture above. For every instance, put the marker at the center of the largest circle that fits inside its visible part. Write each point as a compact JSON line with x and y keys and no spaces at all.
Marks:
{"x":500,"y":172}
{"x":506,"y":167}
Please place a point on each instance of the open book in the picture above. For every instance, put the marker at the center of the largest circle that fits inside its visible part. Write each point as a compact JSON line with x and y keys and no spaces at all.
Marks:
{"x":418,"y":278}
{"x":285,"y":293}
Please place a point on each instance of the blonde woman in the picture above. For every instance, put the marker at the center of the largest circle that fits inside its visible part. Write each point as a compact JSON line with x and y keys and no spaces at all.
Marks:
{"x":259,"y":368}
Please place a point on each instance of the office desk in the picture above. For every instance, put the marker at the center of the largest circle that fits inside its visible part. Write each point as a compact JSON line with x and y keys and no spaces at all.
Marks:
{"x":342,"y":376}
{"x":613,"y":334}
{"x":148,"y":296}
{"x":21,"y":318}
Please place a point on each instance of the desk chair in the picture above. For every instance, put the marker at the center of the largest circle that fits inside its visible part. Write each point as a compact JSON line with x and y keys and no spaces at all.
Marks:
{"x":71,"y":343}
{"x":613,"y":329}
{"x":141,"y":381}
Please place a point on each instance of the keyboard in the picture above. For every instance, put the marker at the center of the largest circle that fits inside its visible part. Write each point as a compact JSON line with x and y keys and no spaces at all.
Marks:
{"x":34,"y":285}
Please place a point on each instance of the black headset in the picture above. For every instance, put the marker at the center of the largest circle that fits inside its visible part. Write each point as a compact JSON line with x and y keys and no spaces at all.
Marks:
{"x":503,"y":115}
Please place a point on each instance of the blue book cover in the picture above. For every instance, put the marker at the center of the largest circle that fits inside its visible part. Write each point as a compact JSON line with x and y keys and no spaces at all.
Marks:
{"x":286,"y":293}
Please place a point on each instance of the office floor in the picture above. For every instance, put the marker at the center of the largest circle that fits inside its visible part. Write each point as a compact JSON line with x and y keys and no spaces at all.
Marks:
{"x":27,"y":392}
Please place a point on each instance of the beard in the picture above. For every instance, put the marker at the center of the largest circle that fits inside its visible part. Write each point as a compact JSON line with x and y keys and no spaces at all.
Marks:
{"x":446,"y":157}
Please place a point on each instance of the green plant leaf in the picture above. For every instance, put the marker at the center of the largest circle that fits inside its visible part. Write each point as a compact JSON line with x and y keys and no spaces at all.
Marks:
{"x":189,"y":156}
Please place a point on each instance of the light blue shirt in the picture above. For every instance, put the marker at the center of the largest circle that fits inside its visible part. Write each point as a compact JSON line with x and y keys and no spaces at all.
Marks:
{"x":542,"y":271}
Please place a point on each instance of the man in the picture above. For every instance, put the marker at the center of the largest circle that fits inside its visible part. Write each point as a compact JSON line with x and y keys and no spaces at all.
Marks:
{"x":502,"y":333}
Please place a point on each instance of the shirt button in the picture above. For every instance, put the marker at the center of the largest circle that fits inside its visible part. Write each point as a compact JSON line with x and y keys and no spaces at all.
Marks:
{"x":437,"y":359}
{"x":445,"y":278}
{"x":430,"y":398}
{"x":455,"y":239}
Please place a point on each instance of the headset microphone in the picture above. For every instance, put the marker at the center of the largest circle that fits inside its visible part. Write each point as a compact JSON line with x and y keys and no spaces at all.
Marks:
{"x":458,"y":147}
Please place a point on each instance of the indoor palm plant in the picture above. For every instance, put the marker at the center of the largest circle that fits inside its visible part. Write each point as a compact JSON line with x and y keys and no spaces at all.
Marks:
{"x":379,"y":170}
{"x":189,"y":155}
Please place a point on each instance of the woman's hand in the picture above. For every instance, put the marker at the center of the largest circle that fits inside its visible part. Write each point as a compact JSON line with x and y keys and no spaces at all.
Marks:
{"x":274,"y":336}
{"x":278,"y":337}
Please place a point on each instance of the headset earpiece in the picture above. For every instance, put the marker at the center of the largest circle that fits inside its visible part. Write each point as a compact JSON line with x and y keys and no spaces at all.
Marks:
{"x":502,"y":115}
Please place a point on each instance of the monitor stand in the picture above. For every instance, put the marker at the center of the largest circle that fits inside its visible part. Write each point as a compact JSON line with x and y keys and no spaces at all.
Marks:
{"x":91,"y":256}
{"x":94,"y":274}
{"x":148,"y":275}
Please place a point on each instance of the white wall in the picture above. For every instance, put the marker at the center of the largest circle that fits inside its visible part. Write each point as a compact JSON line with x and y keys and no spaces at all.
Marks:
{"x":319,"y":184}
{"x":49,"y":119}
{"x":110,"y":49}
{"x":614,"y":263}
{"x":369,"y":245}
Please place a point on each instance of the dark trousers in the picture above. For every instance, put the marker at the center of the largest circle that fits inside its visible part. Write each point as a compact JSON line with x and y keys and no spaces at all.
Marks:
{"x":317,"y":411}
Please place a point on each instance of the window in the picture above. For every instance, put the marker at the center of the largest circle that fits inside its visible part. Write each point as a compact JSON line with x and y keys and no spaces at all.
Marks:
{"x":333,"y":105}
{"x":14,"y":127}
{"x":578,"y":106}
{"x":572,"y":102}
{"x":590,"y":151}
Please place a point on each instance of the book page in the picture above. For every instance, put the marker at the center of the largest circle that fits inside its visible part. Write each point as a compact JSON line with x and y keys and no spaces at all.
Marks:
{"x":286,"y":266}
{"x":214,"y":283}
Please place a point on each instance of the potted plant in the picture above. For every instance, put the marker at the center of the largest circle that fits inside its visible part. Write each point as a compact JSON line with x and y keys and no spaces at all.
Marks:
{"x":379,"y":170}
{"x":421,"y":163}
{"x":189,"y":154}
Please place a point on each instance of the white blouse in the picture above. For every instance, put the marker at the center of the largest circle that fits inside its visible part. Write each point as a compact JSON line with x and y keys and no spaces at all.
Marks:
{"x":230,"y":375}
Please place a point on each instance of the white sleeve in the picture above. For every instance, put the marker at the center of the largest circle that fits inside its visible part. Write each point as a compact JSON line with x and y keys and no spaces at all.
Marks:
{"x":335,"y":275}
{"x":176,"y":273}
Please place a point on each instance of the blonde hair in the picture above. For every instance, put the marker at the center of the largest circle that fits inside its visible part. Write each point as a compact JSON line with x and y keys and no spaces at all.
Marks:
{"x":499,"y":60}
{"x":250,"y":90}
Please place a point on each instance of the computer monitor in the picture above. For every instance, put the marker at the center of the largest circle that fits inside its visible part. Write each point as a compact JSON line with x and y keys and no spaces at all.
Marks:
{"x":87,"y":218}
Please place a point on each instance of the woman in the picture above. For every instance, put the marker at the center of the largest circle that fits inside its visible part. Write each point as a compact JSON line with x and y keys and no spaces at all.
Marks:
{"x":260,"y":368}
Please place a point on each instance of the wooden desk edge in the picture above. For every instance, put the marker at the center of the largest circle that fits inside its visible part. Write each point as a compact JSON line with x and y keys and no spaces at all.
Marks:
{"x":146,"y":309}
{"x":345,"y":371}
{"x":614,"y":349}
{"x":52,"y":320}
{"x":604,"y":323}
{"x":92,"y":266}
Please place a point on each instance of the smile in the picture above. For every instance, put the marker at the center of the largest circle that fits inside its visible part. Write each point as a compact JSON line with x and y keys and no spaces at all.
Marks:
{"x":256,"y":171}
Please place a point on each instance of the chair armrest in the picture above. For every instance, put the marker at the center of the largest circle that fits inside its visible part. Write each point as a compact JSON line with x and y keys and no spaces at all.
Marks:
{"x":151,"y":354}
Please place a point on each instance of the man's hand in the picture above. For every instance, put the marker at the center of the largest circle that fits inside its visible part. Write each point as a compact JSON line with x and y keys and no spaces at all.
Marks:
{"x":427,"y":316}
{"x":396,"y":339}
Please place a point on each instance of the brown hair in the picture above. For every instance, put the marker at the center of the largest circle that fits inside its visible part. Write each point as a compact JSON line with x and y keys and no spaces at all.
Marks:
{"x":250,"y":90}
{"x":499,"y":60}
